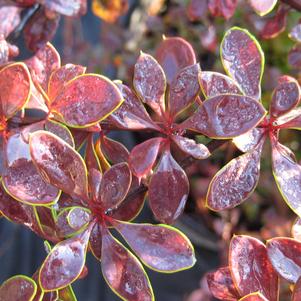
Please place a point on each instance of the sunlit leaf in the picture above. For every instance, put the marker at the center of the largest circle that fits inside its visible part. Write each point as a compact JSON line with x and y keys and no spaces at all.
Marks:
{"x":226,"y":116}
{"x":243,"y":60}
{"x":263,"y":7}
{"x":18,"y":288}
{"x":10,"y":18}
{"x":123,"y":272}
{"x":254,"y":297}
{"x":78,"y":217}
{"x":221,"y":285}
{"x":295,"y":33}
{"x":296,"y":229}
{"x":236,"y":181}
{"x":168,"y":189}
{"x":174,"y":54}
{"x":248,"y":141}
{"x":86,"y":100}
{"x":95,"y":242}
{"x":222,"y":8}
{"x":160,"y":247}
{"x":250,"y":268}
{"x":67,"y":8}
{"x":59,"y":164}
{"x":297,"y":291}
{"x":143,"y":156}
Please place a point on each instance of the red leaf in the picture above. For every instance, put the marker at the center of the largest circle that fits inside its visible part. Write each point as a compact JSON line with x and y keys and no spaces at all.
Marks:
{"x":235,"y":182}
{"x":214,"y":83}
{"x":67,"y":8}
{"x":297,"y":291}
{"x":95,"y":242}
{"x":160,"y":247}
{"x":254,"y":297}
{"x":248,"y":141}
{"x":131,"y":115}
{"x":60,"y":164}
{"x":86,"y":100}
{"x":15,"y":88}
{"x":78,"y":218}
{"x":221,"y":285}
{"x":190,"y":147}
{"x":174,"y":54}
{"x":114,"y":186}
{"x":123,"y":272}
{"x":263,"y":7}
{"x":18,"y":288}
{"x":168,"y":189}
{"x":296,"y":229}
{"x":243,"y":60}
{"x":65,"y":262}
{"x":143,"y":156}
{"x":295,"y":33}
{"x":222,"y":8}
{"x":291,"y":120}
{"x":184,"y":89}
{"x":196,"y":10}
{"x":226,"y":116}
{"x":251,"y":269}
{"x":10,"y":19}
{"x":286,"y":96}
{"x":150,"y":83}
{"x":284,"y":254}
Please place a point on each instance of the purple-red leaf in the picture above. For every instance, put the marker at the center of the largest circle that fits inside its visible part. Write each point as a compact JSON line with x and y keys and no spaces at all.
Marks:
{"x":95,"y":242}
{"x":222,"y":8}
{"x":226,"y":116}
{"x":150,"y":83}
{"x":235,"y":182}
{"x":295,"y":33}
{"x":123,"y":272}
{"x":296,"y":229}
{"x":263,"y":7}
{"x":254,"y":297}
{"x":67,"y":8}
{"x":168,"y":189}
{"x":10,"y":16}
{"x":250,"y":268}
{"x":294,"y":57}
{"x":143,"y":156}
{"x":174,"y":54}
{"x":160,"y":247}
{"x":59,"y":164}
{"x":65,"y":262}
{"x":243,"y":60}
{"x":221,"y":285}
{"x":284,"y":254}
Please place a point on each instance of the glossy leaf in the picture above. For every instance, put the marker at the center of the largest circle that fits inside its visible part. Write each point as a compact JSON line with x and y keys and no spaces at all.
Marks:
{"x":143,"y":156}
{"x":123,"y":272}
{"x":235,"y":182}
{"x":221,"y":285}
{"x":286,"y":96}
{"x":297,"y":291}
{"x":222,"y":8}
{"x":18,"y":288}
{"x":290,"y":120}
{"x":69,"y":8}
{"x":254,"y":297}
{"x":149,"y":82}
{"x":284,"y":254}
{"x":174,"y":54}
{"x":115,"y":185}
{"x":159,"y":247}
{"x":190,"y":147}
{"x":65,"y":262}
{"x":243,"y":60}
{"x":263,"y":7}
{"x":226,"y":116}
{"x":86,"y":100}
{"x":78,"y":217}
{"x":214,"y":83}
{"x":295,"y":33}
{"x":114,"y":151}
{"x":95,"y":242}
{"x":15,"y":88}
{"x":287,"y":173}
{"x":168,"y":189}
{"x":296,"y":229}
{"x":184,"y":89}
{"x":11,"y":17}
{"x":251,"y":269}
{"x":59,"y":164}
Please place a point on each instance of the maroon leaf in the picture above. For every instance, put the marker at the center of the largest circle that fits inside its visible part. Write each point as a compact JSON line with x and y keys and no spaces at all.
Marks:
{"x":226,"y":116}
{"x":174,"y":54}
{"x":296,"y":229}
{"x":190,"y":147}
{"x":95,"y":242}
{"x":295,"y":33}
{"x":243,"y":60}
{"x":65,"y":262}
{"x":254,"y":297}
{"x":297,"y":291}
{"x":221,"y":285}
{"x":294,"y":57}
{"x":60,"y":164}
{"x":18,"y":288}
{"x":113,"y":150}
{"x":123,"y":272}
{"x":10,"y":16}
{"x":222,"y":8}
{"x":251,"y":269}
{"x":263,"y":7}
{"x":86,"y":100}
{"x":78,"y":218}
{"x":143,"y":156}
{"x":168,"y":189}
{"x":115,"y":185}
{"x":248,"y":141}
{"x":184,"y":89}
{"x":236,"y":181}
{"x":69,"y":8}
{"x":150,"y":83}
{"x":160,"y":247}
{"x":214,"y":83}
{"x":286,"y":96}
{"x":291,"y":120}
{"x":284,"y":254}
{"x":131,"y":115}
